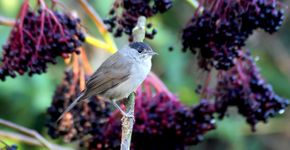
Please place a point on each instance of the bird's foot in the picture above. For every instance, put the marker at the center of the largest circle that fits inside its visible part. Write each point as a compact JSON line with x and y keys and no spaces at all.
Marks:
{"x":127,"y":116}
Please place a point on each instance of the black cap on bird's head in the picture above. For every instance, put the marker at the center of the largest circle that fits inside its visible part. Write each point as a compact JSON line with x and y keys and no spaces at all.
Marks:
{"x":142,"y":48}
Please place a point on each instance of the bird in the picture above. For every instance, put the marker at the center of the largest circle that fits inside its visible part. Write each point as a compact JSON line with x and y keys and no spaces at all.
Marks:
{"x":118,"y":76}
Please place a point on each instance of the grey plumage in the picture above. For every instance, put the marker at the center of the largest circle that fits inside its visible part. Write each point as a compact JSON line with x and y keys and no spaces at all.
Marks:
{"x":119,"y":75}
{"x":110,"y":74}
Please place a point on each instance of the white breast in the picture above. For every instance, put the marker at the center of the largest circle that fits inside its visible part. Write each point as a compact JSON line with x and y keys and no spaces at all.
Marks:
{"x":139,"y":71}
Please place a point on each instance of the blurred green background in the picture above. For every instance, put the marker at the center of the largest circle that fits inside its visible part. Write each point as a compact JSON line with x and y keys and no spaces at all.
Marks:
{"x":24,"y":100}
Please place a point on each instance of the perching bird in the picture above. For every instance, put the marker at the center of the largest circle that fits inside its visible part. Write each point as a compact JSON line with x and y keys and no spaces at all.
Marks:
{"x":119,"y":75}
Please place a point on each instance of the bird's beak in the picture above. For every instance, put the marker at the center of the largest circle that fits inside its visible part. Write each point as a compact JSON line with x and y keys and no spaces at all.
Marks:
{"x":152,"y":53}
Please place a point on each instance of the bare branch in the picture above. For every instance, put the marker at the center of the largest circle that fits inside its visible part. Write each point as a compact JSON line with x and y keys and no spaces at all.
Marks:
{"x":6,"y":21}
{"x":93,"y":15}
{"x":37,"y":140}
{"x":99,"y":23}
{"x":26,"y":131}
{"x":128,"y":122}
{"x":19,"y":137}
{"x":139,"y":30}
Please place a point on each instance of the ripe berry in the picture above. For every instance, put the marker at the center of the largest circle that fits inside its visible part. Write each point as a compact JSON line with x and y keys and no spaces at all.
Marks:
{"x":37,"y":39}
{"x":243,"y":87}
{"x":81,"y":120}
{"x":159,"y":118}
{"x":130,"y":11}
{"x":218,"y":32}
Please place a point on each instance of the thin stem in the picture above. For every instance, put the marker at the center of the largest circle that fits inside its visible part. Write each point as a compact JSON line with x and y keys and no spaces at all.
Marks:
{"x":41,"y":28}
{"x":157,"y":83}
{"x":193,"y":3}
{"x":26,"y":139}
{"x":6,"y":21}
{"x":99,"y":23}
{"x":128,"y":122}
{"x":68,"y":59}
{"x":93,"y":15}
{"x":26,"y":131}
{"x":85,"y":62}
{"x":206,"y":85}
{"x":139,"y":30}
{"x":19,"y":137}
{"x":37,"y":137}
{"x":99,"y":44}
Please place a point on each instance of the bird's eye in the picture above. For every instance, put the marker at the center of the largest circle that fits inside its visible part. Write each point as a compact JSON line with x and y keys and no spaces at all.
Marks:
{"x":140,"y":50}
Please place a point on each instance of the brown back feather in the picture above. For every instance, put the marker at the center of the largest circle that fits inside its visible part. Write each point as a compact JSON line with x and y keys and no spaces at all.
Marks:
{"x":110,"y":74}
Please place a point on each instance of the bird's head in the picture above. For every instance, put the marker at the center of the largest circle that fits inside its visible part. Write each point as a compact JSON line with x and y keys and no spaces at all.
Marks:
{"x":141,"y":50}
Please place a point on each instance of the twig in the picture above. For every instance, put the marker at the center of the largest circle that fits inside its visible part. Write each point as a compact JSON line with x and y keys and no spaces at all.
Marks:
{"x":26,"y":131}
{"x":128,"y":122}
{"x":6,"y":21}
{"x":157,"y":83}
{"x":20,"y":137}
{"x":27,"y":139}
{"x":98,"y":43}
{"x":99,"y":23}
{"x":193,"y":3}
{"x":5,"y":144}
{"x":93,"y":15}
{"x":139,"y":30}
{"x":196,"y":5}
{"x":30,"y":132}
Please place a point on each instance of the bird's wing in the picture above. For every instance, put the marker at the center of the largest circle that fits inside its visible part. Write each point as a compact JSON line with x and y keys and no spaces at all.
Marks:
{"x":115,"y":70}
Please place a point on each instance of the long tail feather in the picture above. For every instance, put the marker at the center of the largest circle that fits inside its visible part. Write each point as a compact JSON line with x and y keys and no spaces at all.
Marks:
{"x":75,"y":102}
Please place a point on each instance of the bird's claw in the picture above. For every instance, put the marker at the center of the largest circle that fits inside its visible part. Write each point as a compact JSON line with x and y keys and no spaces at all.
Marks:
{"x":125,"y":116}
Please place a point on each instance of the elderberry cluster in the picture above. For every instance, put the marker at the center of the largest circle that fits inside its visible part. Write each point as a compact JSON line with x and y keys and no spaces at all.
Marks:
{"x":164,"y":123}
{"x":243,"y":87}
{"x":81,"y":120}
{"x":265,"y":15}
{"x":221,"y":29}
{"x":36,"y":39}
{"x":161,"y":121}
{"x":130,"y":11}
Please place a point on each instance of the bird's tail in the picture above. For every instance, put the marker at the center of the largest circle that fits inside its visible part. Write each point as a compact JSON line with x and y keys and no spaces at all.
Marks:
{"x":75,"y":102}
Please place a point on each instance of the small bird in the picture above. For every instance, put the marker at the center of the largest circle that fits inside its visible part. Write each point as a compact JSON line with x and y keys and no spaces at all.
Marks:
{"x":119,"y":75}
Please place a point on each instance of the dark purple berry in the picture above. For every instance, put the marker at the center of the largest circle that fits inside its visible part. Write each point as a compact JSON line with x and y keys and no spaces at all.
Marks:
{"x":36,"y":41}
{"x":130,"y":11}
